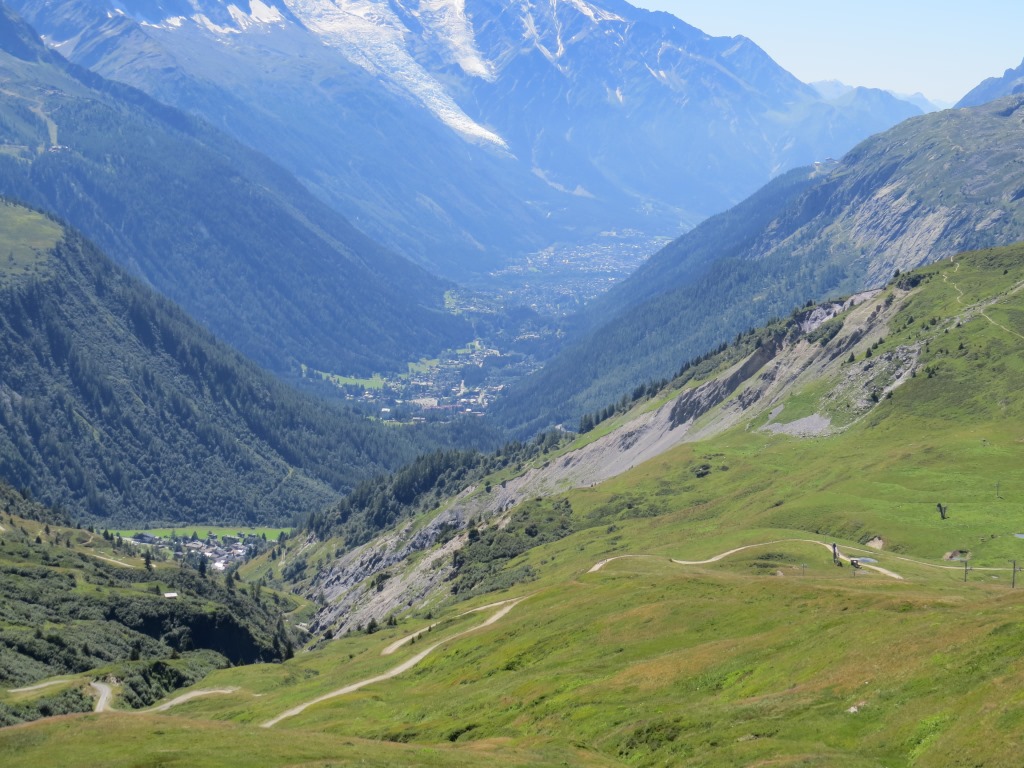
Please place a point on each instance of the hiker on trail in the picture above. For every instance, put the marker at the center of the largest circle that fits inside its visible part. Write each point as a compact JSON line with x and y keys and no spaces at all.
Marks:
{"x":835,"y":552}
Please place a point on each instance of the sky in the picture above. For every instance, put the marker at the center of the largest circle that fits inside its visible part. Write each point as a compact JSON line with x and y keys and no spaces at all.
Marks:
{"x":942,"y":48}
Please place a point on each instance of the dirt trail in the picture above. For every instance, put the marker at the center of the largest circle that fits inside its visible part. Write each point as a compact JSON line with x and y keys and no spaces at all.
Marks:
{"x":960,"y":297}
{"x":598,"y":566}
{"x":115,"y":562}
{"x":879,"y":569}
{"x":38,"y":686}
{"x":395,"y":671}
{"x":106,"y":694}
{"x":188,"y":697}
{"x":408,"y":638}
{"x":718,"y":557}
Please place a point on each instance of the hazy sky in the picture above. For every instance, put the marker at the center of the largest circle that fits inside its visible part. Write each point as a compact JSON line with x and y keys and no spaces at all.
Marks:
{"x":942,"y":48}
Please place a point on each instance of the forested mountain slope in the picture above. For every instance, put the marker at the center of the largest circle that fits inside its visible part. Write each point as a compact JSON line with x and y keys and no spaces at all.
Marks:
{"x":928,"y":188}
{"x":218,"y":228}
{"x":116,"y":405}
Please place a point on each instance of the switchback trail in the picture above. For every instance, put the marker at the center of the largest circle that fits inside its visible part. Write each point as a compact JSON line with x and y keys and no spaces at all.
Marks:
{"x":106,"y":694}
{"x":981,"y":311}
{"x":408,"y":638}
{"x":103,"y":702}
{"x":395,"y":671}
{"x":723,"y":555}
{"x":188,"y":697}
{"x":38,"y":686}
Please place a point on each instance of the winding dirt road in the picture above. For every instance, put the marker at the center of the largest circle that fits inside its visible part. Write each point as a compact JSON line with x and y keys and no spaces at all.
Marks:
{"x":188,"y":697}
{"x":408,"y":638}
{"x":716,"y":558}
{"x":406,"y":665}
{"x":38,"y":686}
{"x":106,"y":694}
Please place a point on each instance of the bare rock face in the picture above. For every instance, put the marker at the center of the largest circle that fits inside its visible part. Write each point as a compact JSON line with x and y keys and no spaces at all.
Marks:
{"x":359,"y":585}
{"x":696,"y":402}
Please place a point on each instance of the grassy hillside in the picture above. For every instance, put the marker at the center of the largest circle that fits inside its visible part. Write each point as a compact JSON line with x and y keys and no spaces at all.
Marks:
{"x":771,"y":655}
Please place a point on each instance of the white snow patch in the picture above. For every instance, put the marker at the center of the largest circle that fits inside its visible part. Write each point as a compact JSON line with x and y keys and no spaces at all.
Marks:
{"x":579,"y":191}
{"x":265,"y":14}
{"x":242,"y":19}
{"x":203,"y":21}
{"x":369,"y":34}
{"x":449,"y":24}
{"x":593,"y":13}
{"x":259,"y":13}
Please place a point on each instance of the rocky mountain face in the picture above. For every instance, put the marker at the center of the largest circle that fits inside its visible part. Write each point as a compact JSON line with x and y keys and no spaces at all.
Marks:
{"x":1012,"y":82}
{"x":465,"y":132}
{"x":930,"y":187}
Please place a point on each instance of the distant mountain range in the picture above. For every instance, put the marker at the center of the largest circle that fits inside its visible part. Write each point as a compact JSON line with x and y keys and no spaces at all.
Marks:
{"x":465,"y":133}
{"x":926,"y":189}
{"x":1012,"y":82}
{"x":835,"y":90}
{"x":236,"y":240}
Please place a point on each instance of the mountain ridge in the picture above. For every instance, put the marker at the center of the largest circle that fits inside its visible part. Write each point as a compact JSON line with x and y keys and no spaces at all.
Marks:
{"x":550,"y":98}
{"x":930,"y":187}
{"x":214,"y":225}
{"x":1010,"y":83}
{"x":115,"y":405}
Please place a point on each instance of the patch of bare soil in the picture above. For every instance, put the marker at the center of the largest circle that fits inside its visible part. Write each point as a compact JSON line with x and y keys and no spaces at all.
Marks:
{"x":808,"y":426}
{"x":876,"y":543}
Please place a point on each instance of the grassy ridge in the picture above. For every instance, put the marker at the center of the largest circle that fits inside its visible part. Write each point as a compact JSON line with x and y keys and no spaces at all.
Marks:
{"x":28,"y":239}
{"x":770,"y":656}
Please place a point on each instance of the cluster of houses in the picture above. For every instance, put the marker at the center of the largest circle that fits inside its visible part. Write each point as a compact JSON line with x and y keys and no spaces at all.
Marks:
{"x":219,"y":551}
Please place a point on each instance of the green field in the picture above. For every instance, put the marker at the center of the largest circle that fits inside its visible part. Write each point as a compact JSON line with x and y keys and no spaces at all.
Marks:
{"x":28,"y":238}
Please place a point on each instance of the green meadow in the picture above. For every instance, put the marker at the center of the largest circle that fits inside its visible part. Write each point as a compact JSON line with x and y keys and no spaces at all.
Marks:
{"x":28,"y":239}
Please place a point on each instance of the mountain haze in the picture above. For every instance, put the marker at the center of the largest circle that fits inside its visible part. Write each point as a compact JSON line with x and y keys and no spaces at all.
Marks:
{"x":218,"y":228}
{"x":466,"y":133}
{"x":1012,"y":82}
